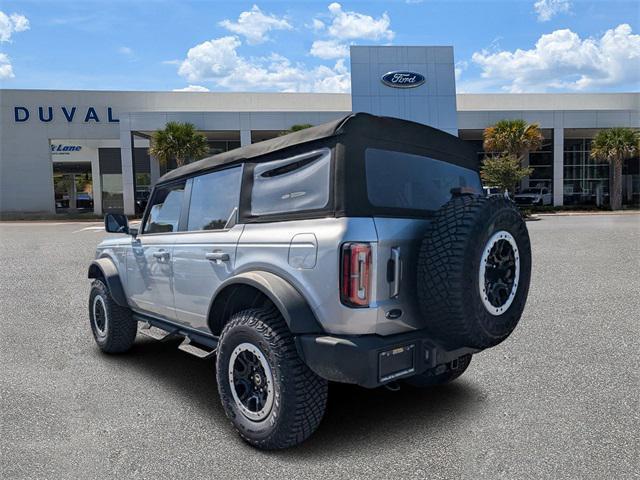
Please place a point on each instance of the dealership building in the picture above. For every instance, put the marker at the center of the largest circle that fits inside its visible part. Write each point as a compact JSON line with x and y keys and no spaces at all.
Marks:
{"x":64,"y":151}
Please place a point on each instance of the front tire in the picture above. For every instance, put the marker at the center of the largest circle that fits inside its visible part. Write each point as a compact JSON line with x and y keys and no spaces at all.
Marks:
{"x":272,"y":398}
{"x":113,"y":327}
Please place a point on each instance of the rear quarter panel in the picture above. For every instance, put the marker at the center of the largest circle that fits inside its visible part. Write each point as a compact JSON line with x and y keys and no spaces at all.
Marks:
{"x":267,"y":247}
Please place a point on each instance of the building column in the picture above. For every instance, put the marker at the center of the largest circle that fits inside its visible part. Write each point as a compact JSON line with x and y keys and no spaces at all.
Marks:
{"x":245,"y":137}
{"x":558,"y":166}
{"x":126,"y":157}
{"x":96,"y":184}
{"x":154,"y":169}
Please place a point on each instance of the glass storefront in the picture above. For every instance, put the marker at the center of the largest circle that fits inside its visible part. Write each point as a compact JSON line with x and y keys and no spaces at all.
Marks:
{"x":586,"y":181}
{"x":73,"y":187}
{"x":541,"y":161}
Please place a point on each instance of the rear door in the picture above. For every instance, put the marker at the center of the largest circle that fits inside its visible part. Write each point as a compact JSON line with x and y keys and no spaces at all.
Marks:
{"x":204,"y":254}
{"x":149,"y":261}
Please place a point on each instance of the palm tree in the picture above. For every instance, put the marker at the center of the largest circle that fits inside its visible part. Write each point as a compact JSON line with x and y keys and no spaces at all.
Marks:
{"x":615,"y":145}
{"x":512,"y":137}
{"x":508,"y":142}
{"x":179,"y":141}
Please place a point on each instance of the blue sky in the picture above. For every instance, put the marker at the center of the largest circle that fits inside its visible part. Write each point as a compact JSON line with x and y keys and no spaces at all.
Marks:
{"x":514,"y":46}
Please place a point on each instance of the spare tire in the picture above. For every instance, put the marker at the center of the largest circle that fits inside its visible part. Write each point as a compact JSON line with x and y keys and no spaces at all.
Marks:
{"x":474,"y":270}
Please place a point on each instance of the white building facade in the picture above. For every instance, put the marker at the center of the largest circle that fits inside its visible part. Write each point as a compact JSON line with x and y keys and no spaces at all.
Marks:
{"x":63,"y":151}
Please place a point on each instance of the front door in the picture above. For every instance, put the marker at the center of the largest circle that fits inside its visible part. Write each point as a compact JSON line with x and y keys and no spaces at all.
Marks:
{"x":204,"y":256}
{"x":150,"y":260}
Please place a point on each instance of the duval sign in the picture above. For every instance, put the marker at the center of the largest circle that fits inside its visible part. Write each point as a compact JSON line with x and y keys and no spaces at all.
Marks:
{"x":47,"y":114}
{"x":402,"y":79}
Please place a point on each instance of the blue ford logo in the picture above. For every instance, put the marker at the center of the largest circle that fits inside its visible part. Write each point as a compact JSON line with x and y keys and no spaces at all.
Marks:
{"x":402,"y":79}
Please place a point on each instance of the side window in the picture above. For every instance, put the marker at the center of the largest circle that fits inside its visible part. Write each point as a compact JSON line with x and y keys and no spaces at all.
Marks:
{"x":214,"y":199}
{"x":166,"y":204}
{"x":293,"y":184}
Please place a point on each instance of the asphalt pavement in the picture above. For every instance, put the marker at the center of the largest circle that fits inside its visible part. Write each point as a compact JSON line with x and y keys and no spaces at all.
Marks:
{"x":558,"y":399}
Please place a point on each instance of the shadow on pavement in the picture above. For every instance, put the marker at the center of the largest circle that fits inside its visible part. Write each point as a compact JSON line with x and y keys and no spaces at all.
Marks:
{"x":355,"y":416}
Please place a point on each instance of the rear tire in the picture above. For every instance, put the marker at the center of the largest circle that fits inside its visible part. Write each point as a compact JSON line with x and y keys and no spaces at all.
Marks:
{"x":272,"y":398}
{"x":441,"y":374}
{"x":113,"y":327}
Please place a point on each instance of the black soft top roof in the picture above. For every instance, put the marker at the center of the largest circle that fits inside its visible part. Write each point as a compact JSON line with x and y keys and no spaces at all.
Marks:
{"x":353,"y":127}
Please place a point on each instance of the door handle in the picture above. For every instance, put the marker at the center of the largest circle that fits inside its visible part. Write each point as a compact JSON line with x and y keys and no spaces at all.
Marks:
{"x":397,"y":272}
{"x":217,"y":256}
{"x":161,"y":254}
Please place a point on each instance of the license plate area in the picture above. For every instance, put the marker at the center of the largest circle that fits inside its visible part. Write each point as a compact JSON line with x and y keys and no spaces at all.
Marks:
{"x":396,"y":362}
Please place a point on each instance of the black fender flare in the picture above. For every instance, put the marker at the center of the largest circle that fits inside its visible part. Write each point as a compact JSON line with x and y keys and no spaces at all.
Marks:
{"x":105,"y":268}
{"x":287,"y":299}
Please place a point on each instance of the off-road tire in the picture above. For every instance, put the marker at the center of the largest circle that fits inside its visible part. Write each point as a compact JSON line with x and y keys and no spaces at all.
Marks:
{"x":441,"y":374}
{"x":120,"y":328}
{"x":449,"y":263}
{"x":300,"y":396}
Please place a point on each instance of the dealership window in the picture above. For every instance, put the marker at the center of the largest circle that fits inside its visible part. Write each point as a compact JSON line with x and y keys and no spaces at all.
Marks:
{"x":73,"y":187}
{"x":541,"y":161}
{"x":586,"y":181}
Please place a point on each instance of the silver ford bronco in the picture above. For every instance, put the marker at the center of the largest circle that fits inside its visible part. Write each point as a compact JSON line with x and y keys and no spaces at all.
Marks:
{"x":361,"y":251}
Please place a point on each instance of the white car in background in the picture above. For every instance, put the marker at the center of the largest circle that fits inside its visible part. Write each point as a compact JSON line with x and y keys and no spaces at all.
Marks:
{"x":492,"y":191}
{"x":534,"y":196}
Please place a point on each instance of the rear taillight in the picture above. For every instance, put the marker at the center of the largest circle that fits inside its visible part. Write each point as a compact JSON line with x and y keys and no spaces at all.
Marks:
{"x":355,"y":281}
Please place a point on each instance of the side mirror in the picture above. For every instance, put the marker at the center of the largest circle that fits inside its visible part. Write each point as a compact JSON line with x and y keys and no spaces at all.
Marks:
{"x":116,"y":223}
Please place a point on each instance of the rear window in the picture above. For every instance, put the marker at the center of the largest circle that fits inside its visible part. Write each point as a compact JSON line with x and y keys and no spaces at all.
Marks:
{"x":406,"y":181}
{"x":293,"y":184}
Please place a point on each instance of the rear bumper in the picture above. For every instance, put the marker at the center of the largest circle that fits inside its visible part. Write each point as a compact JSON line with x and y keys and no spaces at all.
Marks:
{"x":372,"y":360}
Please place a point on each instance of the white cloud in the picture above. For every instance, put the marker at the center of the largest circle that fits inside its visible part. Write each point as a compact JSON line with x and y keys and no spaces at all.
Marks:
{"x":255,"y":24}
{"x":561,"y":60}
{"x":351,"y":25}
{"x":547,"y":9}
{"x":192,"y":88}
{"x":345,"y":25}
{"x":329,"y":49}
{"x":6,"y":70}
{"x":317,"y":25}
{"x":219,"y":62}
{"x":10,"y":24}
{"x":127,"y":51}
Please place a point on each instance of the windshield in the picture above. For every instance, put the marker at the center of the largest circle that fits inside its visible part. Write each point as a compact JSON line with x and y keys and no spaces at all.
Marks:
{"x":408,"y":181}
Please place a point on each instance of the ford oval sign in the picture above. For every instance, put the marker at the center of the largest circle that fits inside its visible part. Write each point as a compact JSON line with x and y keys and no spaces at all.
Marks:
{"x":403,"y":79}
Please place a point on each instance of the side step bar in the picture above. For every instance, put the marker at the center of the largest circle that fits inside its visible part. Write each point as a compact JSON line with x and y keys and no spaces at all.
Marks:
{"x":194,"y":342}
{"x":156,"y":333}
{"x":187,"y":346}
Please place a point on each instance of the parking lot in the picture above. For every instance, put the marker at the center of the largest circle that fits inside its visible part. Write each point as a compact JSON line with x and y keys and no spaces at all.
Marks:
{"x":558,"y":399}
